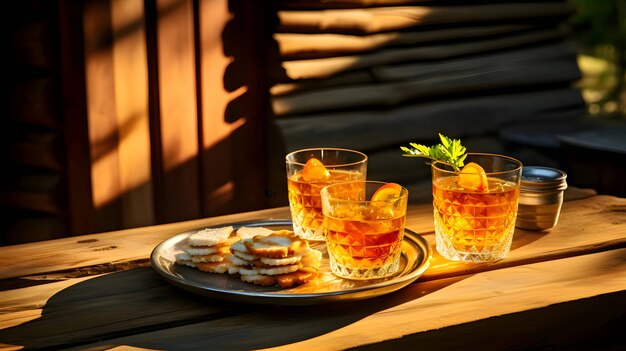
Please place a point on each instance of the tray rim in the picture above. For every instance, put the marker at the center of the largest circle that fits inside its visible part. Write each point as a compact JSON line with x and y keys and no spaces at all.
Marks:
{"x":277,"y":298}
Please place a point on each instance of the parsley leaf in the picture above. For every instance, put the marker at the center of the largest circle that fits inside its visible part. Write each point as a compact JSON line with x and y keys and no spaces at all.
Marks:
{"x":449,"y":151}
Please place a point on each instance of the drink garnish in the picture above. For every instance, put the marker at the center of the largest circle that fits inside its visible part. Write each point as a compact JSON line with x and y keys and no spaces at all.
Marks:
{"x":473,"y":177}
{"x":382,"y":203}
{"x":314,"y":170}
{"x":449,"y":151}
{"x":387,"y":192}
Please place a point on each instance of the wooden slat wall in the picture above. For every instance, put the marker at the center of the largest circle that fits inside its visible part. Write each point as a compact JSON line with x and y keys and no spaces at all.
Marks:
{"x":167,"y":98}
{"x":178,"y":114}
{"x":33,"y":179}
{"x":158,"y":120}
{"x":131,"y":94}
{"x":214,"y":16}
{"x":186,"y":138}
{"x":116,"y":76}
{"x":374,"y":75}
{"x":74,"y":109}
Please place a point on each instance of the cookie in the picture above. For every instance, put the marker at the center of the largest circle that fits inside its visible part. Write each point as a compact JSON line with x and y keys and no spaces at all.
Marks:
{"x":275,"y":270}
{"x":257,"y":279}
{"x":233,"y":269}
{"x":209,"y":250}
{"x":207,"y":258}
{"x":214,"y":267}
{"x":301,"y":276}
{"x":185,"y":259}
{"x":279,"y":244}
{"x":257,"y":255}
{"x":251,"y":232}
{"x":240,"y":250}
{"x":239,"y":261}
{"x":210,"y":236}
{"x":287,"y":280}
{"x":281,"y":261}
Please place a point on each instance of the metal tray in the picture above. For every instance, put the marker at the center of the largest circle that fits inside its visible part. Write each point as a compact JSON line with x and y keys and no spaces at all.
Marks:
{"x":416,"y":255}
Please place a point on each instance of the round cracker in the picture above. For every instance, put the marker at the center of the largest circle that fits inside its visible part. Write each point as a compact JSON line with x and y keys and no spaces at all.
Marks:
{"x":239,"y":261}
{"x":208,"y":258}
{"x":258,"y":279}
{"x":213,"y":267}
{"x":280,"y":244}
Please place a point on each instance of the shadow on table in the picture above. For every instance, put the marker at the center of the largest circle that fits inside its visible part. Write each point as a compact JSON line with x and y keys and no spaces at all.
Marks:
{"x":138,"y":308}
{"x":440,"y":267}
{"x":556,"y":327}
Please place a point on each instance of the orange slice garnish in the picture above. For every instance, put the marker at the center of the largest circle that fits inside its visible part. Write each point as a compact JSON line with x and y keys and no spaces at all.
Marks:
{"x":473,"y":177}
{"x":387,"y":192}
{"x":314,"y":171}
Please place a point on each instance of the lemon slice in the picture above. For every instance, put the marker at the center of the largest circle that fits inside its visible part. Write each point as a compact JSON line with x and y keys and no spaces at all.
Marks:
{"x":387,"y":192}
{"x":314,"y":171}
{"x":473,"y":177}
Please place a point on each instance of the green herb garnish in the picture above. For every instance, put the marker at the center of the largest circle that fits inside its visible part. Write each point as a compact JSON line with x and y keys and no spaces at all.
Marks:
{"x":450,"y":151}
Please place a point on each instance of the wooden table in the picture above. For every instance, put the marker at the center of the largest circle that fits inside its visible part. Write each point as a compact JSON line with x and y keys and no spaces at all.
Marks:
{"x":562,"y":289}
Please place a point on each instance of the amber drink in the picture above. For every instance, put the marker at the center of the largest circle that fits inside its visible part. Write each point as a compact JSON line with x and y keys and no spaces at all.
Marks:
{"x":308,"y":171}
{"x":364,"y":233}
{"x":475,"y":212}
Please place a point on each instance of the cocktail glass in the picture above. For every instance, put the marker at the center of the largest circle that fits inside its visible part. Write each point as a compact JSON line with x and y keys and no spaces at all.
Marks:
{"x":475,"y":213}
{"x":304,"y":183}
{"x":363,"y":235}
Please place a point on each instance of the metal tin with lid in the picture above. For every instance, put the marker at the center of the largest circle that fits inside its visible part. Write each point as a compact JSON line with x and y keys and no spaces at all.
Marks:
{"x":541,"y":197}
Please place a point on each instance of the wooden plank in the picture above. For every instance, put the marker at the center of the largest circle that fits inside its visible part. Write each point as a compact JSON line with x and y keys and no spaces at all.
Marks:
{"x":87,"y":317}
{"x":553,"y":327}
{"x":216,"y":93}
{"x":350,"y":4}
{"x":32,"y":100}
{"x":35,"y":227}
{"x":600,"y":214}
{"x":381,"y":19}
{"x":33,"y":201}
{"x":325,"y":4}
{"x":494,"y":76}
{"x":179,"y":146}
{"x":481,"y":296}
{"x":250,"y":150}
{"x":375,"y":129}
{"x":38,"y":150}
{"x":232,"y":45}
{"x":328,"y":67}
{"x":403,"y":71}
{"x":74,"y":110}
{"x":101,"y":115}
{"x":301,"y":46}
{"x":131,"y":108}
{"x":115,"y":61}
{"x":136,"y":309}
{"x":112,"y":247}
{"x":32,"y":298}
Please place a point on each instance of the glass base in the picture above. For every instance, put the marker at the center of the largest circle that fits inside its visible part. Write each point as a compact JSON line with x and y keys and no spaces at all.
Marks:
{"x":364,"y":273}
{"x":494,"y":251}
{"x":308,"y":233}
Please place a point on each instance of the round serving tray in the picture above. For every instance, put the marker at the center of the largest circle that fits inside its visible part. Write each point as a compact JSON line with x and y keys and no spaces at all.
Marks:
{"x":416,"y":255}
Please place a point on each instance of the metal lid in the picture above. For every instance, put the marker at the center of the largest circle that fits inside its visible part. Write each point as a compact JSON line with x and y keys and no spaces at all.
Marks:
{"x":540,"y":179}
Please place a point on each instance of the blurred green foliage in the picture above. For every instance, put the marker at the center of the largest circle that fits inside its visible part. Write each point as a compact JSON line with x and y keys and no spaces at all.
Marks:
{"x":600,"y":30}
{"x":598,"y":22}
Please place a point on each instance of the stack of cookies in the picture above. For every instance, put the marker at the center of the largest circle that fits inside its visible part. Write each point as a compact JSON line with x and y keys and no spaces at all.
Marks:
{"x":209,"y":250}
{"x":258,"y":255}
{"x":280,"y":258}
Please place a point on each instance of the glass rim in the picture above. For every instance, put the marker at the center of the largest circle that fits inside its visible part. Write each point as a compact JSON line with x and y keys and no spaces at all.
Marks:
{"x":519,"y":164}
{"x":404,"y":193}
{"x":330,"y":149}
